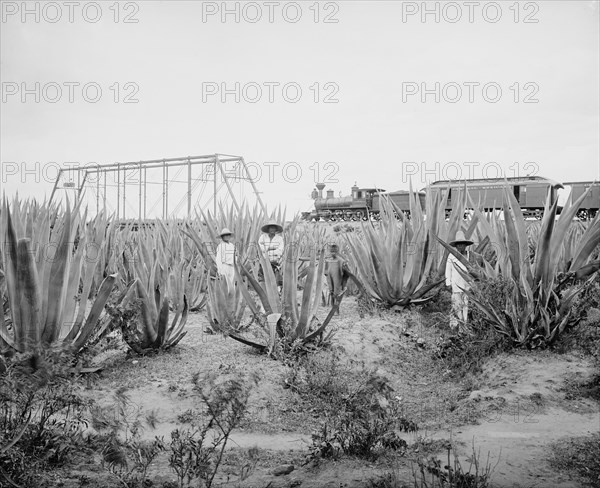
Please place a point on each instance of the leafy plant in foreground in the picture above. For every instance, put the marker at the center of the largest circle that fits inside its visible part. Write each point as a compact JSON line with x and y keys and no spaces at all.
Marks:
{"x":195,"y":454}
{"x":361,"y":417}
{"x":41,"y":415}
{"x":124,"y":453}
{"x":43,"y":271}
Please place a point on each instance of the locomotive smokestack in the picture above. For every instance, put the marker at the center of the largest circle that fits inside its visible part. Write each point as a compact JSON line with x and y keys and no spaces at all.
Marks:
{"x":320,"y":187}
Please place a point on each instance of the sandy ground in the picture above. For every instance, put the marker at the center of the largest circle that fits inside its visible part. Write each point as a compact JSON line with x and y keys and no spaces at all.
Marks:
{"x":519,"y":406}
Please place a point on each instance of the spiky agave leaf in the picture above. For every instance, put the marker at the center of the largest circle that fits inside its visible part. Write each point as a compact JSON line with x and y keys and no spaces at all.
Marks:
{"x":285,"y":319}
{"x":55,"y":267}
{"x":535,"y":309}
{"x":394,"y":261}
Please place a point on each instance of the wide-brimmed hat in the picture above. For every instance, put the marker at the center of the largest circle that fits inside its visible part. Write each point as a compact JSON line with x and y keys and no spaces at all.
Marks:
{"x":460,"y":239}
{"x":272,"y":223}
{"x":225,"y":232}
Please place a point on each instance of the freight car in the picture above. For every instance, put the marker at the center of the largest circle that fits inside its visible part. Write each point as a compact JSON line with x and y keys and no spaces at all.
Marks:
{"x":530,"y":191}
{"x":591,"y":203}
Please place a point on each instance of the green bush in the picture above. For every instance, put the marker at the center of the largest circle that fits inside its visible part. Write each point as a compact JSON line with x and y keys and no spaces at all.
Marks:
{"x":465,"y":353}
{"x":41,"y":415}
{"x":361,"y":416}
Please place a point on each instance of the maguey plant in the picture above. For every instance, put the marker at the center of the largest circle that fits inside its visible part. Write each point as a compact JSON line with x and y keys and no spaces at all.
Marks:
{"x":288,"y":317}
{"x":156,"y":288}
{"x":49,"y":256}
{"x":393,"y":258}
{"x":538,"y":307}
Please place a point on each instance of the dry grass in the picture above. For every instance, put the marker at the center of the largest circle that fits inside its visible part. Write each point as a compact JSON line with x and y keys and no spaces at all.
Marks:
{"x":579,"y":456}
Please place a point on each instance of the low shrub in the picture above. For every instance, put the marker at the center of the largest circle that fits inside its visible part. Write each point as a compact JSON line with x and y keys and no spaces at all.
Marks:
{"x":194,"y":453}
{"x":434,"y":473}
{"x":580,"y":456}
{"x":466,"y":353}
{"x":119,"y":439}
{"x":361,"y":416}
{"x":41,"y":415}
{"x":440,"y":303}
{"x":585,"y":336}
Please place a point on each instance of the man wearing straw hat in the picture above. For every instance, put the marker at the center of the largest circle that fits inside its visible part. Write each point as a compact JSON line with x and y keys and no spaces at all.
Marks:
{"x":460,"y":303}
{"x":272,"y":245}
{"x":226,"y":257}
{"x":336,"y":270}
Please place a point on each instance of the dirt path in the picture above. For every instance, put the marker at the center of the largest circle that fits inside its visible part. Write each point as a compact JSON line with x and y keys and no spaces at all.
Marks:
{"x":521,"y":405}
{"x":524,"y":410}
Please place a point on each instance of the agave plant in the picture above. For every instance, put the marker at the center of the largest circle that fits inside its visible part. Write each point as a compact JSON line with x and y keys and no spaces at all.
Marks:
{"x":393,"y":261}
{"x":196,"y":284}
{"x":245,"y":225}
{"x":538,"y":308}
{"x":43,"y":272}
{"x":226,"y":306}
{"x":155,"y":290}
{"x":286,"y":321}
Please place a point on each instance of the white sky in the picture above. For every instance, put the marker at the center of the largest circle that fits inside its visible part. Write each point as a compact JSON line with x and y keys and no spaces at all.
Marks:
{"x":371,"y":133}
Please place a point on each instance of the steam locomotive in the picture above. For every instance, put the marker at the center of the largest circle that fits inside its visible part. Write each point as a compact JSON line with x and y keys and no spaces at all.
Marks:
{"x":530,"y":192}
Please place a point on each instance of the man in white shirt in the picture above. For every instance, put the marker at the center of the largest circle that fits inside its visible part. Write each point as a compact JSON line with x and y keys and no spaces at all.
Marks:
{"x":225,"y":257}
{"x":272,"y":245}
{"x":460,"y":302}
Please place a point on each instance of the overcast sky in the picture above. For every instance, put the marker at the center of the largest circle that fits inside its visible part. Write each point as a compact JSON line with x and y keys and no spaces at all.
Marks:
{"x":361,"y":68}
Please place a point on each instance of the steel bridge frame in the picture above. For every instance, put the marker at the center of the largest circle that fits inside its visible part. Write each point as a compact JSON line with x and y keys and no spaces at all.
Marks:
{"x":214,"y":160}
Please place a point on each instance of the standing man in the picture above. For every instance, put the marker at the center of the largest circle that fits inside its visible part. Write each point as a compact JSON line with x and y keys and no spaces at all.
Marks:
{"x":460,"y":303}
{"x":226,"y":257}
{"x":272,"y":245}
{"x":336,"y":270}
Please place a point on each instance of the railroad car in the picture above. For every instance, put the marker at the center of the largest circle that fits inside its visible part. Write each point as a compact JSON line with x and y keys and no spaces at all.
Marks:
{"x":591,"y":204}
{"x":400,"y":198}
{"x":530,"y":192}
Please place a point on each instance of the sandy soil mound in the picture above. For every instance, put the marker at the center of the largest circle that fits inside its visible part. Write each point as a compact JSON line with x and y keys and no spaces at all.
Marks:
{"x":521,"y":403}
